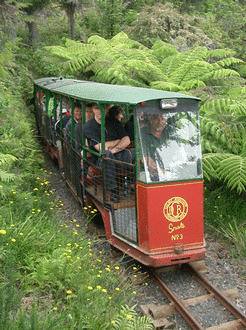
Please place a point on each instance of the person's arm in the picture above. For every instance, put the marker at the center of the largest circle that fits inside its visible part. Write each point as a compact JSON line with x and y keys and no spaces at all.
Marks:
{"x":122,"y":144}
{"x":108,"y":145}
{"x":152,"y":165}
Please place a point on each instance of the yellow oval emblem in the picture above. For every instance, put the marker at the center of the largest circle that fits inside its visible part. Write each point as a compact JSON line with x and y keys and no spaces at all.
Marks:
{"x":175,"y":209}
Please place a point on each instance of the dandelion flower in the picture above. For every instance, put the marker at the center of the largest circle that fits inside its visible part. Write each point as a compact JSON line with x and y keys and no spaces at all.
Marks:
{"x":99,"y":287}
{"x":21,"y":234}
{"x":109,"y":298}
{"x":68,"y":244}
{"x":12,"y":226}
{"x":13,"y":240}
{"x":69,"y":292}
{"x":112,"y":322}
{"x":104,"y":290}
{"x":116,"y":267}
{"x":117,"y":289}
{"x":2,"y":231}
{"x":134,"y":292}
{"x":11,"y":202}
{"x":89,"y":287}
{"x":55,"y":308}
{"x":129,"y":316}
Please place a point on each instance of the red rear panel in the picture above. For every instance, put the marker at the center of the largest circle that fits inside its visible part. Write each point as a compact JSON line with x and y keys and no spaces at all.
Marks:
{"x":170,"y":215}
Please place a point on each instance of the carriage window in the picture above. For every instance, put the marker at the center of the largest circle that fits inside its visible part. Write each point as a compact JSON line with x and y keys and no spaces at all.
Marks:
{"x":169,"y":146}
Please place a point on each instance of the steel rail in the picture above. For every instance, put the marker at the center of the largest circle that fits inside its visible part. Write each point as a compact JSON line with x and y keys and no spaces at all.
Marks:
{"x":177,"y":303}
{"x":217,"y":295}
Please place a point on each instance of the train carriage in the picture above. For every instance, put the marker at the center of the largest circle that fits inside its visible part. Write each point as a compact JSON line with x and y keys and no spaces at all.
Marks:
{"x":158,"y":218}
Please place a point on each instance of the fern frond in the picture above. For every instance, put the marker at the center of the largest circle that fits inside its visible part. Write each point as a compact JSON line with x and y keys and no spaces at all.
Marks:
{"x":219,"y":53}
{"x":227,"y":62}
{"x":232,"y":170}
{"x":209,"y":163}
{"x":5,"y":176}
{"x":163,"y":49}
{"x":236,"y":108}
{"x":211,"y":128}
{"x":190,"y":71}
{"x":220,"y":73}
{"x":6,"y":159}
{"x":122,"y":38}
{"x":97,"y":40}
{"x":215,"y":106}
{"x":166,"y":86}
{"x":204,"y":93}
{"x":169,"y":65}
{"x":191,"y":84}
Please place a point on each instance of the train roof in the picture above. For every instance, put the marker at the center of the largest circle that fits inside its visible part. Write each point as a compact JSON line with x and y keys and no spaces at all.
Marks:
{"x":105,"y":93}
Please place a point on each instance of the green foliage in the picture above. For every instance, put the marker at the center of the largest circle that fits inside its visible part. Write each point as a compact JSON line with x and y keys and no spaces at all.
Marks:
{"x":208,"y":74}
{"x":164,"y":22}
{"x":227,"y":167}
{"x":128,"y":320}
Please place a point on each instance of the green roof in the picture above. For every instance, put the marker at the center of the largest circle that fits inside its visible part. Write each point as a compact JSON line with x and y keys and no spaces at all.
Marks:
{"x":98,"y":92}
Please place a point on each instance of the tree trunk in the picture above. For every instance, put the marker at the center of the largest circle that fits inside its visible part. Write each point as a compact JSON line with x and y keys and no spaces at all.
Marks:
{"x":71,"y":20}
{"x":33,"y":35}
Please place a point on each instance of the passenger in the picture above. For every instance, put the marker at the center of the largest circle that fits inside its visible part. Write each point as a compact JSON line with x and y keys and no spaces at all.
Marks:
{"x":129,"y":127}
{"x":155,"y":136}
{"x":115,"y":112}
{"x":65,"y":119}
{"x":77,"y":116}
{"x":78,"y":127}
{"x":116,"y":140}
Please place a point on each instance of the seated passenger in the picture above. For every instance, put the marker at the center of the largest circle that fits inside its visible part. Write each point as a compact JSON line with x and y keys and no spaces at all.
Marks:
{"x":155,"y":133}
{"x":77,"y":116}
{"x":116,"y":140}
{"x":65,"y":119}
{"x":78,"y":126}
{"x":115,"y":112}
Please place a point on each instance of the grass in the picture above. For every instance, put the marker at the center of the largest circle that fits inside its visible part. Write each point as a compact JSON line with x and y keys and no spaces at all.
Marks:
{"x":225,"y":216}
{"x":51,"y":276}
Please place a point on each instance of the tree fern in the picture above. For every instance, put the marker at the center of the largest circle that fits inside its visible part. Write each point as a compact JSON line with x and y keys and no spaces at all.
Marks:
{"x":163,"y":49}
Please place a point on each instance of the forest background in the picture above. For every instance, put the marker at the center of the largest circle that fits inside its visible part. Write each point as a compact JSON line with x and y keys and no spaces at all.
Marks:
{"x":195,"y":47}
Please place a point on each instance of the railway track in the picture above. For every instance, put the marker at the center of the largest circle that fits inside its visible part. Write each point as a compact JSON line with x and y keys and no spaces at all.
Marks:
{"x":203,"y":296}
